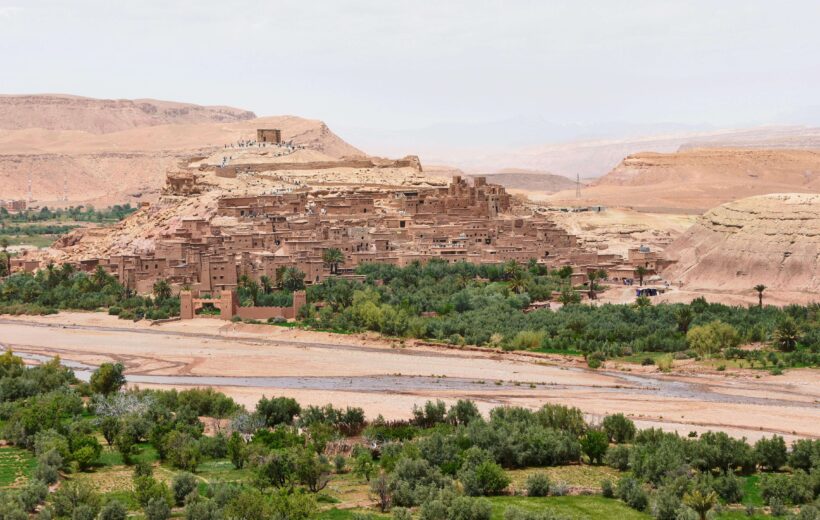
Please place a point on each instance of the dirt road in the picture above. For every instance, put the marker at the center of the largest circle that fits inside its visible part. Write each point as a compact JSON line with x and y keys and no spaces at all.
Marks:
{"x":247,"y":362}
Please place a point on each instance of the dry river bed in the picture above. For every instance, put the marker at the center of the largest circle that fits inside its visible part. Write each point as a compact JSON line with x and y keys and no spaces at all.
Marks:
{"x":248,"y":361}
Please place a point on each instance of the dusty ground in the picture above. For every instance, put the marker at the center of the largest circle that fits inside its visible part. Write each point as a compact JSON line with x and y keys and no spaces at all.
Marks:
{"x":316,"y":368}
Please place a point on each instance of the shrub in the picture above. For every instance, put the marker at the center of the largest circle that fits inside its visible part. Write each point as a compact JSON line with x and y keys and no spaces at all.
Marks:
{"x":527,"y":340}
{"x":595,"y":359}
{"x":619,"y":428}
{"x":113,"y":510}
{"x":480,"y":475}
{"x":157,"y":509}
{"x":618,"y":457}
{"x":32,"y":494}
{"x":340,"y":463}
{"x":630,"y":491}
{"x":538,"y":485}
{"x":729,"y":487}
{"x":665,"y":363}
{"x":182,"y":485}
{"x":606,"y":489}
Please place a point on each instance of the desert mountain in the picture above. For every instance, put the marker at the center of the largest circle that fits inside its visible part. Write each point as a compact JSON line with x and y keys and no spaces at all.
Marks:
{"x":83,"y":165}
{"x":769,"y":239}
{"x":696,"y":180}
{"x":529,"y":181}
{"x":593,"y":158}
{"x":102,"y":116}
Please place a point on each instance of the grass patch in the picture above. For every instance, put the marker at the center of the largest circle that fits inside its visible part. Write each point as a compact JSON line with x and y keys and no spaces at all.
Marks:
{"x":586,"y":507}
{"x":33,"y":240}
{"x":345,"y":514}
{"x":751,"y":491}
{"x":222,"y":470}
{"x":16,"y":466}
{"x":564,"y":352}
{"x":578,"y":476}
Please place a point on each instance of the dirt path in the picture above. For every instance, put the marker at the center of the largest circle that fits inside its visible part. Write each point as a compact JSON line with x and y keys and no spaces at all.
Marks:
{"x":317,"y":368}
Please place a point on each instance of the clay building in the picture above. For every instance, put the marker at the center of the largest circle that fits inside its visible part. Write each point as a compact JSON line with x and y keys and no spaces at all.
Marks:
{"x":269,"y":135}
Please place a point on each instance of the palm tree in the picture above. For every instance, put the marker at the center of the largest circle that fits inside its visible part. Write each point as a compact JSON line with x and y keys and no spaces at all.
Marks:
{"x":100,"y":277}
{"x":267,"y":284}
{"x":700,"y":502}
{"x":332,"y":257}
{"x":162,"y":290}
{"x":641,"y":271}
{"x":293,"y":279}
{"x":760,"y":288}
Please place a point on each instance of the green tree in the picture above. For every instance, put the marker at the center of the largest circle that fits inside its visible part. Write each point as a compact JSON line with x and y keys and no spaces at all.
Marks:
{"x":107,"y":379}
{"x":619,"y":428}
{"x":771,"y":453}
{"x":333,"y":257}
{"x":712,"y":338}
{"x":641,"y":271}
{"x":594,"y":444}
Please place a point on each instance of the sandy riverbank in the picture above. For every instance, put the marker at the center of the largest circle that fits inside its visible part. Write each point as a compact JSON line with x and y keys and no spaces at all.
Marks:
{"x":388,"y":379}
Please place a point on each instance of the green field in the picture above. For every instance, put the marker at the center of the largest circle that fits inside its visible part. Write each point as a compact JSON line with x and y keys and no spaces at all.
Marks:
{"x":576,"y":507}
{"x":16,"y":466}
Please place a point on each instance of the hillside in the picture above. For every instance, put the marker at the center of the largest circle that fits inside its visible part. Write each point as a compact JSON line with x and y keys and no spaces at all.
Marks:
{"x":101,"y":116}
{"x":696,"y":180}
{"x":127,"y":165}
{"x":529,"y":181}
{"x":770,"y":239}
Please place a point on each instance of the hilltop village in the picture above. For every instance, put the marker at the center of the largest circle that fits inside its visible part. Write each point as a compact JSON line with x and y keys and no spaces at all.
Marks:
{"x":259,"y":206}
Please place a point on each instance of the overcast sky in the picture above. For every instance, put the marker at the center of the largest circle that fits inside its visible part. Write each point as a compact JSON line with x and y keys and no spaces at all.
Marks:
{"x":386,"y":65}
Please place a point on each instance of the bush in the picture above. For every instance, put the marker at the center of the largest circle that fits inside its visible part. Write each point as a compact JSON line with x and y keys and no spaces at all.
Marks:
{"x":618,"y":457}
{"x":538,"y":485}
{"x":157,"y":509}
{"x":480,"y":476}
{"x":606,"y":489}
{"x":619,"y":428}
{"x":32,"y":494}
{"x":729,"y":487}
{"x":182,"y":485}
{"x":113,"y":510}
{"x":595,"y":359}
{"x":630,"y":491}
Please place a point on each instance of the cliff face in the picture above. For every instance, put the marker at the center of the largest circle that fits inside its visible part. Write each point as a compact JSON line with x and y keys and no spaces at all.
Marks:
{"x":703,"y":178}
{"x":770,"y":239}
{"x":114,"y":151}
{"x":101,"y":116}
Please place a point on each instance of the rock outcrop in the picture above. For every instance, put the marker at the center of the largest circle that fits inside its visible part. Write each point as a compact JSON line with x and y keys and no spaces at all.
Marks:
{"x":770,"y":239}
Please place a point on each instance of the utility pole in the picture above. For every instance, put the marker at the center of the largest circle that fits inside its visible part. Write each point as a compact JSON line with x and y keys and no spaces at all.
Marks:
{"x":65,"y":186}
{"x":577,"y":185}
{"x":29,"y":186}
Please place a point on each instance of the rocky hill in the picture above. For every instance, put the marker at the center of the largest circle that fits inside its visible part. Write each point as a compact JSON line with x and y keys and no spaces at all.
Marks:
{"x":696,"y":180}
{"x":105,"y":152}
{"x":530,"y":181}
{"x":102,"y":116}
{"x":769,"y":239}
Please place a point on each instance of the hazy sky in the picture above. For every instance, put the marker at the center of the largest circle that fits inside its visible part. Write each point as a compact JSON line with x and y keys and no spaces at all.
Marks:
{"x":392,"y":65}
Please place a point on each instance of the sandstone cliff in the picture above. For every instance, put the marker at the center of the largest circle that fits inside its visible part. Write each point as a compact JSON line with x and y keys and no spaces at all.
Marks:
{"x":769,"y":239}
{"x":702,"y":178}
{"x":105,"y":152}
{"x":101,"y":116}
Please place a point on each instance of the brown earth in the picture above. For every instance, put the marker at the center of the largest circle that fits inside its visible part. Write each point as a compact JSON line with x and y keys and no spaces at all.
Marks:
{"x":326,"y":368}
{"x":106,"y":152}
{"x":770,"y":239}
{"x":696,"y":180}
